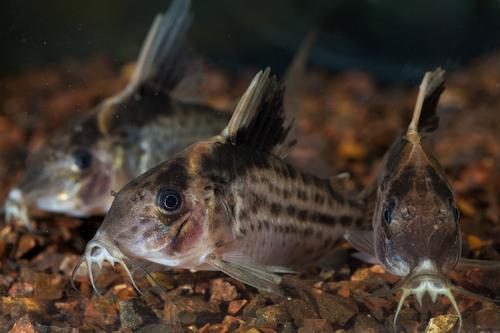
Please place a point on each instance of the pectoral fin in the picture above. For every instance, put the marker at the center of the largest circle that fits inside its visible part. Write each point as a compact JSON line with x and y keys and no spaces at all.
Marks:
{"x":465,"y":263}
{"x":363,"y":242}
{"x":257,"y":276}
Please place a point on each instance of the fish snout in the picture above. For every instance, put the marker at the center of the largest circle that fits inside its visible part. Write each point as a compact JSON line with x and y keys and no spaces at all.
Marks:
{"x":97,"y":252}
{"x":432,"y":284}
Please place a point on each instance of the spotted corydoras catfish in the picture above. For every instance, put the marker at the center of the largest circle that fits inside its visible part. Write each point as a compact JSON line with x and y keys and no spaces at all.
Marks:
{"x":228,"y":203}
{"x":416,"y":230}
{"x":124,"y":136}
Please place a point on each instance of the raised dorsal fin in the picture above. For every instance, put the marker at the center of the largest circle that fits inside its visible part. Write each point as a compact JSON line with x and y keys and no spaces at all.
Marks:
{"x":259,"y":120}
{"x":162,"y":62}
{"x":296,"y":72}
{"x":425,"y":118}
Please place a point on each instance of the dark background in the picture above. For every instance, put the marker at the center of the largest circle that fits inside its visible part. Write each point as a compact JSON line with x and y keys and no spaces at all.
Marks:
{"x":394,"y":40}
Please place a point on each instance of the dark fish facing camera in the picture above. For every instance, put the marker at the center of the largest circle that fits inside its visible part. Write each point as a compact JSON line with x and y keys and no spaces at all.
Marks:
{"x":416,"y":230}
{"x":229,"y":203}
{"x":126,"y":134}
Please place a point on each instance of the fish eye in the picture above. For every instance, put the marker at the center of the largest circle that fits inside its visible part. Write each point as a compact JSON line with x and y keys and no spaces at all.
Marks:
{"x":169,"y":200}
{"x":387,"y":213}
{"x":82,"y":158}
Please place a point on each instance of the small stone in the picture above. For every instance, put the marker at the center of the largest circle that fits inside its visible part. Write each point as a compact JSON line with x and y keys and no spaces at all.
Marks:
{"x":19,"y":306}
{"x":187,"y":318}
{"x":222,"y":291}
{"x":255,"y":303}
{"x":229,"y":324}
{"x":26,"y":243}
{"x":21,"y":289}
{"x":300,"y":311}
{"x":124,"y":292}
{"x":376,"y":306}
{"x":235,"y":306}
{"x":201,"y":287}
{"x":178,"y":310}
{"x":134,"y":313}
{"x":267,"y":330}
{"x":366,"y":324}
{"x":334,"y":308}
{"x":5,"y":283}
{"x":161,"y":328}
{"x":488,"y":318}
{"x":252,"y":330}
{"x":316,"y":326}
{"x":100,"y":311}
{"x":272,"y":316}
{"x":442,"y":324}
{"x":24,"y":325}
{"x":48,"y":286}
{"x":288,"y":328}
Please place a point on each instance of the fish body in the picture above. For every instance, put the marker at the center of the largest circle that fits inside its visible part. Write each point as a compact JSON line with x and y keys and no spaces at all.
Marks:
{"x":230,"y":203}
{"x":416,"y":230}
{"x":416,"y":220}
{"x":125,"y":135}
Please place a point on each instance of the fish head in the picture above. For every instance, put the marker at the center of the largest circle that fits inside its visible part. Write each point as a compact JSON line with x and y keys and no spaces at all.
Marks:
{"x":72,"y":174}
{"x":426,"y":279}
{"x":164,"y":216}
{"x":416,"y":218}
{"x":416,"y":226}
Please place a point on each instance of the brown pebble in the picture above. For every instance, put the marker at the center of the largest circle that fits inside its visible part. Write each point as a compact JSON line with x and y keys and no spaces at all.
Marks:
{"x":272,"y":316}
{"x":100,"y":311}
{"x":26,"y":243}
{"x":334,"y":308}
{"x":488,"y":318}
{"x":367,"y":324}
{"x":48,"y":286}
{"x":24,"y":325}
{"x":300,"y":311}
{"x":316,"y":326}
{"x":21,"y":289}
{"x":235,"y":306}
{"x":222,"y":291}
{"x":442,"y":324}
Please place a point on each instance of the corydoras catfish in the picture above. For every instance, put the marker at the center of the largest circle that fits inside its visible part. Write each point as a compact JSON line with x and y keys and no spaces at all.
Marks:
{"x":416,"y":230}
{"x":229,"y":203}
{"x":125,"y":135}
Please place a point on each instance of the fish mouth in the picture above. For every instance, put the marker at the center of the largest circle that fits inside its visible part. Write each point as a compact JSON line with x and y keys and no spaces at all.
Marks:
{"x":427,"y":283}
{"x":97,"y":252}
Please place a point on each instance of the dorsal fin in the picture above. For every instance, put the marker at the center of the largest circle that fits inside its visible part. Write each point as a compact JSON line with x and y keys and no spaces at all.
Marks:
{"x":259,"y":120}
{"x":296,"y":72}
{"x":162,"y":62}
{"x":161,"y":65}
{"x":425,"y":119}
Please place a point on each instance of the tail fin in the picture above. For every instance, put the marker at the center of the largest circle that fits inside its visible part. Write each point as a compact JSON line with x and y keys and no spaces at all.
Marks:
{"x":425,"y":119}
{"x":160,"y":65}
{"x":259,"y":120}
